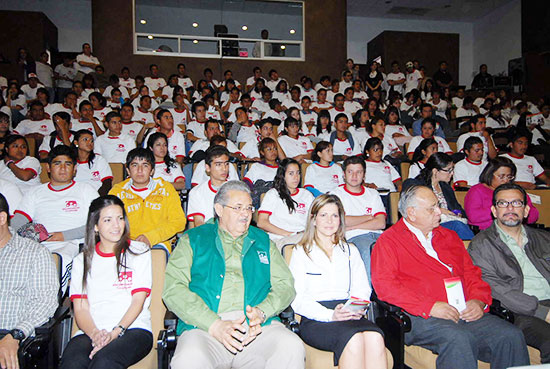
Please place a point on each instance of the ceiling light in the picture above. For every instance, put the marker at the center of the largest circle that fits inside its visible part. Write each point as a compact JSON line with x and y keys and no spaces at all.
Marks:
{"x":292,"y":31}
{"x":143,"y":21}
{"x":195,"y":41}
{"x":195,"y":24}
{"x":244,"y":28}
{"x":154,"y":51}
{"x":150,"y":37}
{"x":283,"y":47}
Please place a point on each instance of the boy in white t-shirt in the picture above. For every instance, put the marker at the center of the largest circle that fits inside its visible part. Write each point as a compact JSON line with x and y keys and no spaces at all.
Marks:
{"x":154,"y":82}
{"x":350,"y":105}
{"x":467,"y":170}
{"x":130,"y":126}
{"x":338,"y":108}
{"x":113,"y":145}
{"x":478,"y":125}
{"x":528,"y":168}
{"x":365,"y":212}
{"x":176,"y":140}
{"x":379,"y":174}
{"x":396,"y":79}
{"x":342,"y":140}
{"x":143,"y":113}
{"x":293,"y":145}
{"x":183,"y":79}
{"x":38,"y":126}
{"x":125,"y":80}
{"x":195,"y":128}
{"x":308,"y":116}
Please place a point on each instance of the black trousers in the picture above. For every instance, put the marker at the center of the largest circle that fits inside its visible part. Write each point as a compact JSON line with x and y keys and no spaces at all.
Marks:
{"x":121,"y":353}
{"x":536,"y":332}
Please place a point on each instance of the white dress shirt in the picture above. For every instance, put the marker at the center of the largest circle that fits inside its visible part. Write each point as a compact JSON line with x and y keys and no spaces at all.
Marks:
{"x":426,"y":243}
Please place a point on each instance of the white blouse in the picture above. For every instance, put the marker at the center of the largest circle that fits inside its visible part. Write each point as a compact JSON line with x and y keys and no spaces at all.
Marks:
{"x":317,"y":278}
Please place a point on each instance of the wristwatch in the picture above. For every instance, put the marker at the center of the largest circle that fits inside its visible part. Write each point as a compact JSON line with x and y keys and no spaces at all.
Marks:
{"x":17,"y":334}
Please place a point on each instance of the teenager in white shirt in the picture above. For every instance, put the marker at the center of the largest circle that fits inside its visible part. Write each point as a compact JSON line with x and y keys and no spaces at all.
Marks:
{"x":281,"y":91}
{"x":262,"y":104}
{"x":180,"y":112}
{"x":478,"y":129}
{"x":138,"y":98}
{"x":250,"y":150}
{"x":86,"y":62}
{"x":284,"y":209}
{"x":377,"y":128}
{"x":99,"y":104}
{"x":125,"y":80}
{"x":307,"y":90}
{"x":321,"y":103}
{"x":195,"y":128}
{"x":168,"y":90}
{"x":251,"y":81}
{"x":308,"y":117}
{"x":421,"y":154}
{"x":338,"y":108}
{"x":379,"y":174}
{"x":61,"y":136}
{"x":113,"y":145}
{"x":343,"y":142}
{"x":131,"y":127}
{"x":413,"y":78}
{"x":18,"y":166}
{"x":323,"y":127}
{"x":256,"y":91}
{"x":275,"y":112}
{"x":176,"y":140}
{"x":323,"y":175}
{"x":260,"y":175}
{"x":350,"y":105}
{"x":274,"y":80}
{"x":396,"y":79}
{"x":440,"y":105}
{"x":183,"y":79}
{"x":293,"y":145}
{"x":200,"y":208}
{"x":394,"y":128}
{"x":38,"y":126}
{"x":155,"y":82}
{"x":467,"y":110}
{"x":327,"y":271}
{"x":143,"y":112}
{"x":87,"y":120}
{"x":345,"y":82}
{"x":428,"y":130}
{"x":365,"y":212}
{"x":228,"y":76}
{"x":114,"y":83}
{"x":110,"y":290}
{"x":165,"y":166}
{"x":528,"y":168}
{"x":467,"y":170}
{"x":90,"y":168}
{"x":458,"y":100}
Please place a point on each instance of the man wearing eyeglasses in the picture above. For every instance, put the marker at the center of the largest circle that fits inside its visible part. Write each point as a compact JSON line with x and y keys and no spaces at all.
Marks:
{"x":515,"y":261}
{"x":227,"y":282}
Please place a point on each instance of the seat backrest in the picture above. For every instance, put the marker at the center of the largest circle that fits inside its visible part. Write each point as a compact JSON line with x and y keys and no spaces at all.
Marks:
{"x":287,"y":252}
{"x":460,"y":196}
{"x":452,"y":145}
{"x":241,"y":145}
{"x":44,"y":175}
{"x":394,"y":207}
{"x":118,"y":172}
{"x":31,"y":148}
{"x":543,"y":207}
{"x":405,"y":170}
{"x":303,"y":168}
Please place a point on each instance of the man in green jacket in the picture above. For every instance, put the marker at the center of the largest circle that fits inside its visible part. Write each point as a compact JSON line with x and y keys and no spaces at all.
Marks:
{"x":227,"y":283}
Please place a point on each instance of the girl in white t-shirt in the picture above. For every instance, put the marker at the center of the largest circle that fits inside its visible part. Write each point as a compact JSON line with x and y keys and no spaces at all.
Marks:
{"x":323,"y":127}
{"x":394,"y":128}
{"x":261,"y":175}
{"x":110,"y":290}
{"x":99,"y":104}
{"x":379,"y":173}
{"x":421,"y":154}
{"x":323,"y":175}
{"x":377,"y":128}
{"x":18,"y":167}
{"x":359,"y":128}
{"x":295,"y":146}
{"x":165,"y":166}
{"x":91,"y":168}
{"x":283,"y":211}
{"x":428,"y":129}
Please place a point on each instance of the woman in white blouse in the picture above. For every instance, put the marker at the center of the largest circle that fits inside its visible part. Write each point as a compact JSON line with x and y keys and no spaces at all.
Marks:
{"x":327,"y":271}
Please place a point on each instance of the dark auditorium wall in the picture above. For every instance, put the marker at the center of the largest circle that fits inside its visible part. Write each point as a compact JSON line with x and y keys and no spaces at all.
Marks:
{"x":325,"y":45}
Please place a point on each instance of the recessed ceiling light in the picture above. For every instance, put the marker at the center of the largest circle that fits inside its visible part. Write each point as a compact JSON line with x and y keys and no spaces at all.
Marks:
{"x":154,"y":51}
{"x":195,"y":41}
{"x":244,"y":28}
{"x":150,"y":37}
{"x":143,"y":21}
{"x":283,"y":47}
{"x":292,"y":31}
{"x":195,"y":24}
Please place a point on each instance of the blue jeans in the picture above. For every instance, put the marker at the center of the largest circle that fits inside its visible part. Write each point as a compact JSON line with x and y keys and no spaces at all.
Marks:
{"x":364,"y":244}
{"x":460,"y":345}
{"x":462,"y":230}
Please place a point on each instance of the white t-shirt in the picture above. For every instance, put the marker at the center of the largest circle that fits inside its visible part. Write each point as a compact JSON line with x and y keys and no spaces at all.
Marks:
{"x":204,"y":144}
{"x":392,"y":129}
{"x":114,"y":149}
{"x":109,"y":293}
{"x":78,"y":124}
{"x":272,"y":84}
{"x":30,"y":93}
{"x":324,"y":178}
{"x":200,"y":176}
{"x":100,"y":114}
{"x":123,"y":92}
{"x":175,"y":172}
{"x":289,"y":103}
{"x":54,"y":108}
{"x":27,"y":126}
{"x":396,"y":77}
{"x":185,"y":82}
{"x":247,"y":134}
{"x":461,"y":112}
{"x":64,"y":71}
{"x":528,"y":168}
{"x":294,"y":147}
{"x":28,"y":162}
{"x":176,"y":144}
{"x":382,"y":174}
{"x":132,"y":129}
{"x":306,"y":117}
{"x":180,"y":116}
{"x":143,"y":117}
{"x":87,"y":59}
{"x":252,"y":116}
{"x":360,"y":96}
{"x":57,"y":210}
{"x":463,"y":137}
{"x":12,"y":193}
{"x":412,"y":80}
{"x":260,"y":171}
{"x":281,"y":217}
{"x":367,"y":202}
{"x":94,"y":175}
{"x":45,"y":145}
{"x":334,"y":112}
{"x":259,"y":104}
{"x":201,"y":201}
{"x":281,"y":96}
{"x":250,"y":149}
{"x":440,"y":108}
{"x":344,"y":85}
{"x":322,"y":106}
{"x":136,"y":101}
{"x":274,"y":115}
{"x":457,"y":101}
{"x":467,"y":172}
{"x":128,"y":83}
{"x":155,"y":83}
{"x":442,"y":145}
{"x":415,"y":168}
{"x":44,"y":73}
{"x":343,"y":147}
{"x":196,"y":128}
{"x":351,"y":107}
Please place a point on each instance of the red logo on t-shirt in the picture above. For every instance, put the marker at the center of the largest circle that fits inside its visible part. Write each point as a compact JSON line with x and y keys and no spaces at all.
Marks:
{"x":335,"y":178}
{"x":121,"y":148}
{"x":530,"y":169}
{"x":301,"y":209}
{"x":369,"y":211}
{"x":95,"y":174}
{"x":71,"y":205}
{"x":304,"y":145}
{"x":386,"y":169}
{"x":124,"y":280}
{"x":132,"y":132}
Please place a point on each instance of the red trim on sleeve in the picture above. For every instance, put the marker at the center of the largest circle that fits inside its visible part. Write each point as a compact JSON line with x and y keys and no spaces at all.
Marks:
{"x":309,"y":150}
{"x":538,"y":175}
{"x":395,"y":180}
{"x":265,"y":212}
{"x":380,"y":212}
{"x":148,"y":290}
{"x":73,"y":297}
{"x":180,"y":156}
{"x":32,"y":170}
{"x":457,"y":183}
{"x":193,"y":184}
{"x":248,"y":180}
{"x":182,"y":177}
{"x":106,"y":178}
{"x":308,"y":185}
{"x":191,"y":216}
{"x":43,"y":151}
{"x":24,"y":214}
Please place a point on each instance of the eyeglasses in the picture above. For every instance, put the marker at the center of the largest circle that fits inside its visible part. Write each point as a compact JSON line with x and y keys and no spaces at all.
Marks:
{"x":450,"y":170}
{"x":502,"y":177}
{"x":504,"y":204}
{"x":239,"y":208}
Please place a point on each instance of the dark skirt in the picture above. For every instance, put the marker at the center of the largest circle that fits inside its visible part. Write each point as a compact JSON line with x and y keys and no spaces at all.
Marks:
{"x":333,"y":336}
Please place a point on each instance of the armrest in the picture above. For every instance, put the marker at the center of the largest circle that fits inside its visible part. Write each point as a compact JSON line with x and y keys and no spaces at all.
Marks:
{"x":497,"y":309}
{"x":289,"y":320}
{"x":170,"y":320}
{"x":61,"y":313}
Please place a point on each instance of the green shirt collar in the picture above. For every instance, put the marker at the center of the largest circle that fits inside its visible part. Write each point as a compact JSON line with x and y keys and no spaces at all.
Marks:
{"x":509,"y":240}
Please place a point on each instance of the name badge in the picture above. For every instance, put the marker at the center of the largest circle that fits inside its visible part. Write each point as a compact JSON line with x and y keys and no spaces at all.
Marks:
{"x":455,"y":293}
{"x":262,"y":255}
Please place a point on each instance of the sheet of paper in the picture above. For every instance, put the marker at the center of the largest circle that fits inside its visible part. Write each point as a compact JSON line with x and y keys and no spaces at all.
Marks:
{"x":455,"y":293}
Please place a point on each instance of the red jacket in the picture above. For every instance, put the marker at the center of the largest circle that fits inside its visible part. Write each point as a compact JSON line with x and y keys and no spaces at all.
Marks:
{"x":403,"y":274}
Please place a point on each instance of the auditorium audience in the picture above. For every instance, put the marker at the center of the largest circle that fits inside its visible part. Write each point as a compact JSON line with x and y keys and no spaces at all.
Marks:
{"x":114,"y":320}
{"x":326,"y":323}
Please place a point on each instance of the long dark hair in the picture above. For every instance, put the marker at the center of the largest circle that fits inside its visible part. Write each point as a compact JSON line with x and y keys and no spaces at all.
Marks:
{"x":92,"y":237}
{"x":319,"y":128}
{"x":280,"y":185}
{"x":11,"y":139}
{"x":318,"y":149}
{"x":424,"y":144}
{"x":170,"y":163}
{"x":77,"y":135}
{"x":357,"y":118}
{"x":389,"y":110}
{"x":439,"y":160}
{"x":493,"y":165}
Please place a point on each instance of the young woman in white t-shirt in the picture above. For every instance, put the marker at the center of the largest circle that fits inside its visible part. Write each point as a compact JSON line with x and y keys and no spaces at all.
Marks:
{"x":110,"y":288}
{"x":91,"y":168}
{"x":323,"y":126}
{"x":18,"y":167}
{"x":359,"y":128}
{"x":421,"y":154}
{"x":165,"y":166}
{"x":283,"y":212}
{"x":379,"y":173}
{"x":295,"y":146}
{"x":394,"y":128}
{"x":260,"y":175}
{"x":323,"y":175}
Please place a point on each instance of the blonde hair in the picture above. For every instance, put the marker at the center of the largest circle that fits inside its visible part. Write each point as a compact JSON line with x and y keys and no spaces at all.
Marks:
{"x":310,"y":239}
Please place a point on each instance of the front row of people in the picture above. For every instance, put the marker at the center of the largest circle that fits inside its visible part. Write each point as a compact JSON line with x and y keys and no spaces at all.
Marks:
{"x":227,"y":283}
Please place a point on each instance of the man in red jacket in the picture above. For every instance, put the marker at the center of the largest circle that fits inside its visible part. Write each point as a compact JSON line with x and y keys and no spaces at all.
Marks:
{"x":411,"y":262}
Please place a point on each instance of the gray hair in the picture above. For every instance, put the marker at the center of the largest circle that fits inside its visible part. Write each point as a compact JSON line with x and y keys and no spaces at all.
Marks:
{"x":222,"y":197}
{"x":408,"y":199}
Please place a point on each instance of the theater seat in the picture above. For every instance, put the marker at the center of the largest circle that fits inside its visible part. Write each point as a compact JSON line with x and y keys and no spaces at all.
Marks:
{"x":118,"y":172}
{"x":404,"y":170}
{"x":44,"y":175}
